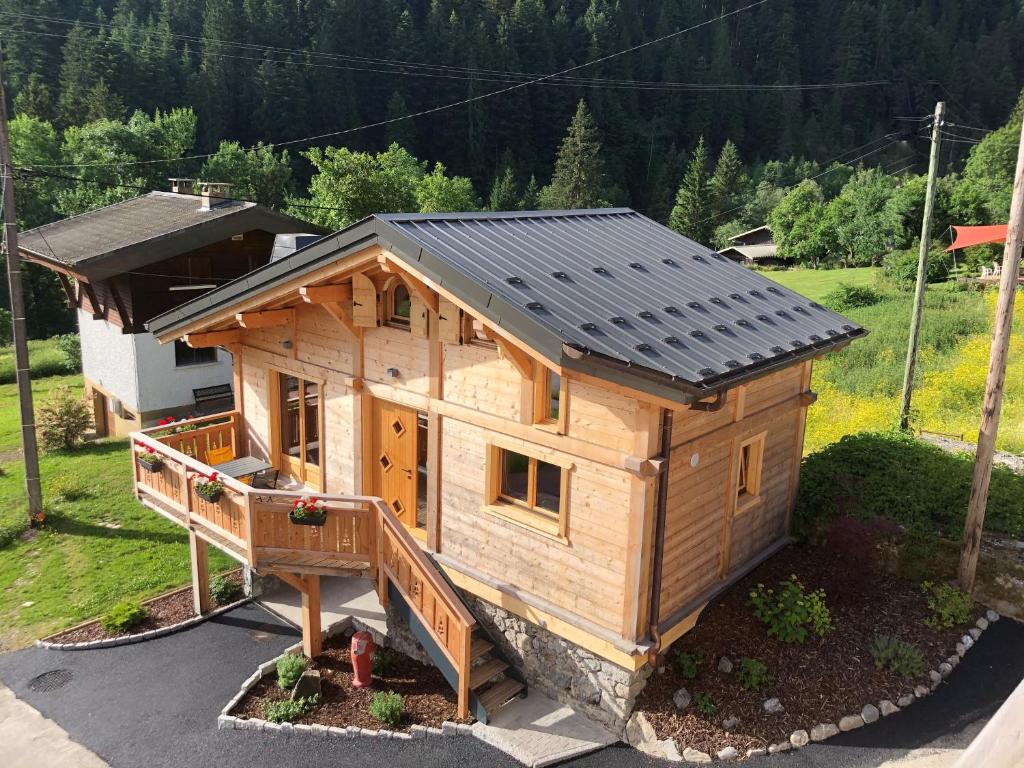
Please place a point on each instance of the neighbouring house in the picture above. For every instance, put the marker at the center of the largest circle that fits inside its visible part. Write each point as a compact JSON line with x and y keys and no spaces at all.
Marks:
{"x":755,"y":247}
{"x":551,"y":438}
{"x":128,"y":262}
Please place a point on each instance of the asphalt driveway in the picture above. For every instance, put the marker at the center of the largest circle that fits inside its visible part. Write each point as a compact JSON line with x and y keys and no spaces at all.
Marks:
{"x":155,"y":704}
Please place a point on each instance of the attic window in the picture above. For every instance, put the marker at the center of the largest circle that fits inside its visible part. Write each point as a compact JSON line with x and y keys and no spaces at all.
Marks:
{"x":399,"y":305}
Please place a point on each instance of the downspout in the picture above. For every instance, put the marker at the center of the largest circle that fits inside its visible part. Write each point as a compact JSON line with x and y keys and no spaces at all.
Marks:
{"x":659,"y":535}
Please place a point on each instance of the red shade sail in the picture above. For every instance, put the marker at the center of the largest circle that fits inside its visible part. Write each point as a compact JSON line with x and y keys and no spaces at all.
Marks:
{"x":968,"y":236}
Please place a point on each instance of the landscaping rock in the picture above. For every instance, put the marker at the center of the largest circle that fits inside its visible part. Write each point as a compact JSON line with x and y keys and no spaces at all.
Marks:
{"x":981,"y":623}
{"x":920,"y":691}
{"x":974,"y":632}
{"x":728,"y":753}
{"x":961,"y":649}
{"x":730,"y":723}
{"x":945,"y":669}
{"x":671,"y":751}
{"x":887,"y":708}
{"x":799,"y":738}
{"x":953,"y":660}
{"x":307,"y":685}
{"x":757,"y":752}
{"x":782,"y":746}
{"x":691,"y":755}
{"x":850,"y":723}
{"x":991,"y":615}
{"x":905,"y":700}
{"x":773,"y":707}
{"x":681,"y":699}
{"x":967,"y":641}
{"x":823,"y":731}
{"x":725,"y":665}
{"x":870,"y":713}
{"x":639,"y":731}
{"x":935,"y":677}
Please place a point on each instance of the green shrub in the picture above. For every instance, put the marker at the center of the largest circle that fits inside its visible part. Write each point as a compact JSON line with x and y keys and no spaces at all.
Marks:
{"x":70,"y":347}
{"x":895,"y":476}
{"x":949,"y":605}
{"x":62,"y":420}
{"x":6,"y":327}
{"x":897,"y":656}
{"x":789,"y":613}
{"x":705,"y":704}
{"x":10,"y":530}
{"x":381,"y":663}
{"x":845,"y":297}
{"x":753,"y":675}
{"x":123,"y":617}
{"x":68,"y":488}
{"x":225,"y":590}
{"x":689,"y":664}
{"x":901,"y":267}
{"x":289,"y":669}
{"x":387,"y":707}
{"x":288,"y":710}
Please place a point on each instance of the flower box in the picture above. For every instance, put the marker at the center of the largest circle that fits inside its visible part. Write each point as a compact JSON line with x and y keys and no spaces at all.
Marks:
{"x":307,"y":519}
{"x":308,"y":510}
{"x":151,"y":465}
{"x":207,"y":495}
{"x":208,"y":487}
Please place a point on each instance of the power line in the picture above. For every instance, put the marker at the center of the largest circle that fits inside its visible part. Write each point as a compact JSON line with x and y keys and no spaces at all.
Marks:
{"x":440,"y":108}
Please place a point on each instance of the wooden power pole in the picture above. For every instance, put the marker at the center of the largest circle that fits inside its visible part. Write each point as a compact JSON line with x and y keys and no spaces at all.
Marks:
{"x":28,"y":420}
{"x":994,"y":383}
{"x":922,"y":265}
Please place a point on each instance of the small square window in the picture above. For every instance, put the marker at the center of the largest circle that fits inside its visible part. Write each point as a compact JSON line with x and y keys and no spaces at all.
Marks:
{"x":385,"y":461}
{"x":398,"y":427}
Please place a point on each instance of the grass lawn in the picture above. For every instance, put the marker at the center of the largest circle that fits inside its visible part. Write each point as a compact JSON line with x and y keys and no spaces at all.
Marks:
{"x":816,"y":283}
{"x":45,"y":359}
{"x":99,"y":544}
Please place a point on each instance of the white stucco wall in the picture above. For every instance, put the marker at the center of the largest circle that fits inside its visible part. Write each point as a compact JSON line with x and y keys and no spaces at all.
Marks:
{"x":140,"y":371}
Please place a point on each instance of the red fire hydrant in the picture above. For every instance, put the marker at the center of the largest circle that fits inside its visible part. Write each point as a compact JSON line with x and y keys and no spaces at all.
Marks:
{"x":362,"y":653}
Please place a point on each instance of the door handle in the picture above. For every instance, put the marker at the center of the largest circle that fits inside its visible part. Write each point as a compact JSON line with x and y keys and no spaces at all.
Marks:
{"x":408,"y":472}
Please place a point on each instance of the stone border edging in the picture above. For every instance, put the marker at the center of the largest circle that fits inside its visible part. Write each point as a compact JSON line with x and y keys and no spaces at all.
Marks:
{"x":227,"y":721}
{"x":870,"y":713}
{"x":110,"y":642}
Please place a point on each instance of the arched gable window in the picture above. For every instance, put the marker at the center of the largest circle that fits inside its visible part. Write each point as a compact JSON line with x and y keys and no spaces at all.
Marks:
{"x":399,"y":304}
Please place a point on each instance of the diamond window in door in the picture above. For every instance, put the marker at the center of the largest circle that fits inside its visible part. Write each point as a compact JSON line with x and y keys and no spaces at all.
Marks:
{"x":398,"y":506}
{"x":385,"y":462}
{"x":398,"y":427}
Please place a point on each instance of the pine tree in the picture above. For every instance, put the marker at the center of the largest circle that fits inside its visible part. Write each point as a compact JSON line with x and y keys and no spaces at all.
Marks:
{"x":400,"y":132}
{"x":504,"y":196}
{"x":34,"y":99}
{"x":692,"y":214}
{"x":530,"y":201}
{"x":102,"y":103}
{"x":578,"y":181}
{"x":728,"y":181}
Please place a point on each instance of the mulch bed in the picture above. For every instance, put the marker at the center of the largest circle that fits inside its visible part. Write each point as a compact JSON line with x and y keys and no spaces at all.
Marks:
{"x":165,"y":611}
{"x":428,"y":700}
{"x":817,"y":682}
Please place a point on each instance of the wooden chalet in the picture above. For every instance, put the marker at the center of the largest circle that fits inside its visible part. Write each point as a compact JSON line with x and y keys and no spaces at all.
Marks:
{"x":579,"y":420}
{"x":125,"y":263}
{"x":755,"y":247}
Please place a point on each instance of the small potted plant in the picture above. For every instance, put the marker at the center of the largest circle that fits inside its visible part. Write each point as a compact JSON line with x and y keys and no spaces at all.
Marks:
{"x":148,"y":458}
{"x":208,"y":487}
{"x":308,"y":510}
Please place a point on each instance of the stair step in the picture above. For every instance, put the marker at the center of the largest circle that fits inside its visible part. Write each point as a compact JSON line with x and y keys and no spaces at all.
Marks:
{"x":486,"y":671}
{"x":479,"y":648}
{"x":499,"y":694}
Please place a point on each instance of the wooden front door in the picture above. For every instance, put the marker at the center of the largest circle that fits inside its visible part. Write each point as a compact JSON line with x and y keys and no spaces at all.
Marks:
{"x":395,"y":471}
{"x":299,"y":417}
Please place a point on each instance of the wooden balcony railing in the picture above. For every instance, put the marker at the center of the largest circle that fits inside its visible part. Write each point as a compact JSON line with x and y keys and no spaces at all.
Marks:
{"x":252,"y":525}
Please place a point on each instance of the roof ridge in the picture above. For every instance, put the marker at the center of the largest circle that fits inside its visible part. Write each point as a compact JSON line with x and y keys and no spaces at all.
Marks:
{"x":555,"y":213}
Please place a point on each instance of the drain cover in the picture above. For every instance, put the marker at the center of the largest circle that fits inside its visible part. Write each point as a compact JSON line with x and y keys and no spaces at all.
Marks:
{"x":50,"y":681}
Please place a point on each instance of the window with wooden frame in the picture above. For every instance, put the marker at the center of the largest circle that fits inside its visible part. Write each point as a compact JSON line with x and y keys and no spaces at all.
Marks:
{"x":749,"y":463}
{"x":398,"y":307}
{"x":528,"y":490}
{"x":475,"y":333}
{"x":547,"y":404}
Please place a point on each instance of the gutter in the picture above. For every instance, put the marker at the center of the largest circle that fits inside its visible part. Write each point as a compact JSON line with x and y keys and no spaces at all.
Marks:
{"x":659,"y":535}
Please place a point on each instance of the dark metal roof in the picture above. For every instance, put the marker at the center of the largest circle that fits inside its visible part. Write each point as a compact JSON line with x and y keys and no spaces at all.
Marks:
{"x":604,"y":287}
{"x":145,"y":230}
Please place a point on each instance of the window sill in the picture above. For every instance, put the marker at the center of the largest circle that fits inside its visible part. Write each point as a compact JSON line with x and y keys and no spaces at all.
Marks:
{"x":549,"y":426}
{"x":193,"y":366}
{"x":523,"y":518}
{"x":747,"y":503}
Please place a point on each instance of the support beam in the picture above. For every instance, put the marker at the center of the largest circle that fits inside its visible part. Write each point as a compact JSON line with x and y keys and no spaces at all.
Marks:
{"x":97,"y":310}
{"x":291,"y":579}
{"x":312,"y":636}
{"x":122,"y":310}
{"x":339,"y":313}
{"x":324,"y":294}
{"x":213,"y":338}
{"x":199,"y":555}
{"x":522,"y":361}
{"x":268,"y":318}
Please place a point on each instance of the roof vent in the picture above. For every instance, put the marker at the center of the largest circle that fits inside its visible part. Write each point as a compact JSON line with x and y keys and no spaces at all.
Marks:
{"x":513,"y":280}
{"x":671,"y":339}
{"x":716,"y":300}
{"x":705,"y":372}
{"x":735,"y":297}
{"x":698,"y":257}
{"x":698,"y":334}
{"x":645,"y":314}
{"x":694,"y":305}
{"x":797,"y":343}
{"x":814,"y":305}
{"x":722,"y":328}
{"x":635,"y":265}
{"x":764,"y":318}
{"x":815,"y":337}
{"x":560,"y":275}
{"x":642,"y":347}
{"x":773,"y":289}
{"x":733,"y":364}
{"x":718,"y":256}
{"x":755,"y":292}
{"x":783,"y":313}
{"x":588,"y":326}
{"x":847,"y":327}
{"x":672,"y":310}
{"x":618,"y":320}
{"x":778,"y":350}
{"x":669,"y":262}
{"x":744,"y":323}
{"x":756,"y":356}
{"x":601,"y":270}
{"x":534,"y":305}
{"x":798,"y":308}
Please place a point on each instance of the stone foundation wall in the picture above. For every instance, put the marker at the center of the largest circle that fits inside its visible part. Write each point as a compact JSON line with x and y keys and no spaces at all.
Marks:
{"x":401,"y":638}
{"x":255,"y":584}
{"x":601,"y":690}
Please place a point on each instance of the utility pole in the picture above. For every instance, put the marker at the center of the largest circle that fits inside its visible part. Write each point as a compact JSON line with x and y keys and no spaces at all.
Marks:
{"x":28,"y":419}
{"x":922,"y":265}
{"x":994,"y":383}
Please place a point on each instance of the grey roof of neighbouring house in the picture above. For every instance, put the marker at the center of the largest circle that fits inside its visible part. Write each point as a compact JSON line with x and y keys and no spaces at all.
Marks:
{"x":752,"y":252}
{"x":608,"y":291}
{"x":145,"y":230}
